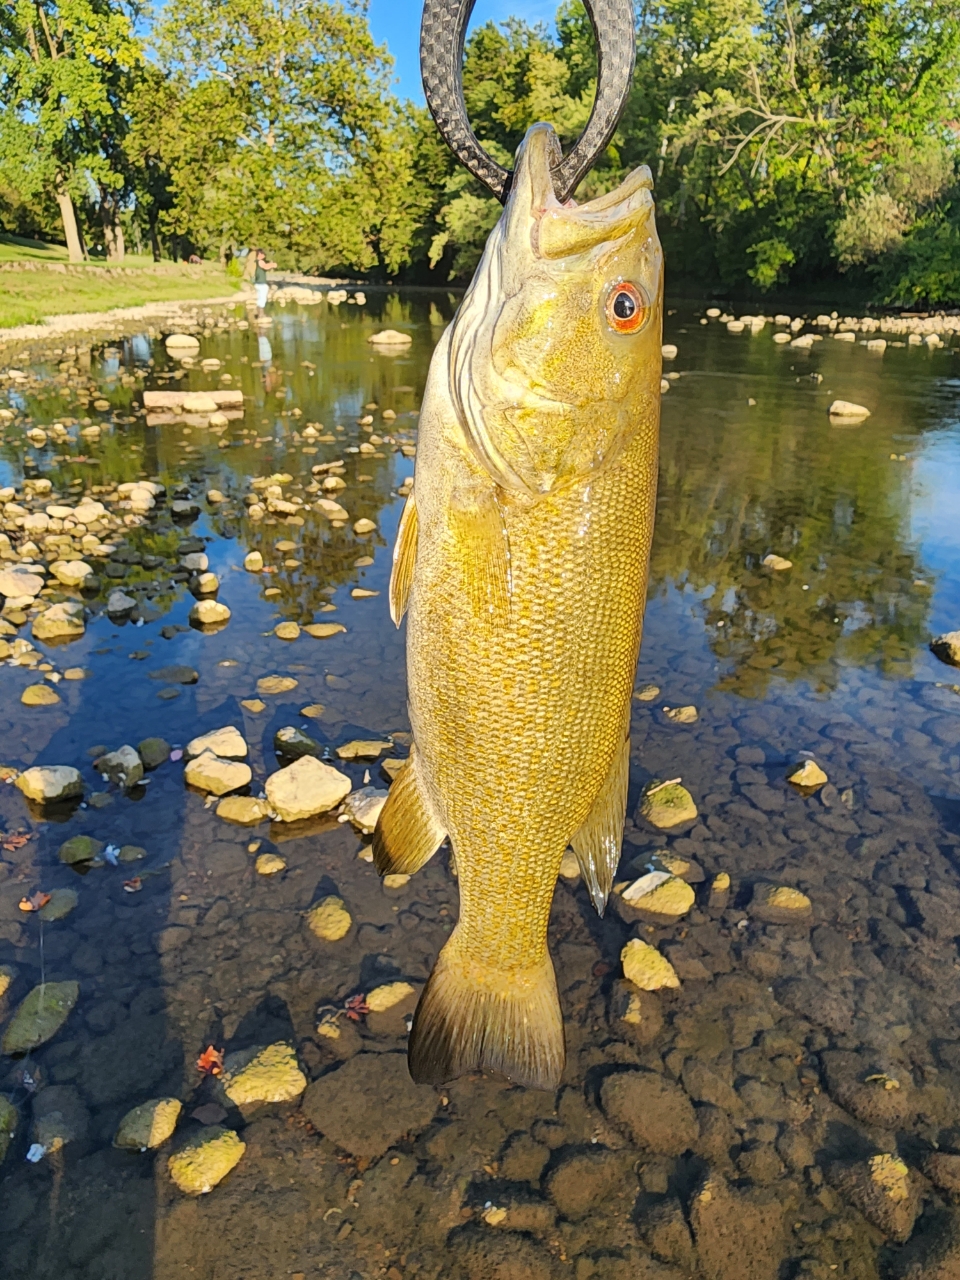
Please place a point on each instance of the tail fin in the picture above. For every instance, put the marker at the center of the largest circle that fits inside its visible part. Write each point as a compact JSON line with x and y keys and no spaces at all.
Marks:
{"x":471,"y":1019}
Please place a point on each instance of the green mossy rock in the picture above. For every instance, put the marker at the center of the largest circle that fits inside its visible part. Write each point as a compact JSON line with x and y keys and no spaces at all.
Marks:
{"x":668,"y":806}
{"x":79,"y":849}
{"x":148,"y":1125}
{"x":8,"y":1125}
{"x":62,"y":902}
{"x":153,"y":752}
{"x":40,"y":1016}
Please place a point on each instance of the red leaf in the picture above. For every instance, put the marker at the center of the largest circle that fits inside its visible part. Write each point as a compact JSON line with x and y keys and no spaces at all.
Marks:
{"x":133,"y":886}
{"x":210,"y":1061}
{"x":35,"y":901}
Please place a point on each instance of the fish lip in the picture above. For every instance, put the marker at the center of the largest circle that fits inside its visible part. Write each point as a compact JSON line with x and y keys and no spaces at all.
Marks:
{"x":560,"y":230}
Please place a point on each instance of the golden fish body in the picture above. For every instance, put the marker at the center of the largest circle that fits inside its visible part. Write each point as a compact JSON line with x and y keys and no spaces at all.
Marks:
{"x":522,"y":559}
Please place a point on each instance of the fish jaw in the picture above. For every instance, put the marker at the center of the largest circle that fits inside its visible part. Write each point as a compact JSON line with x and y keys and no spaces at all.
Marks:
{"x":546,"y":389}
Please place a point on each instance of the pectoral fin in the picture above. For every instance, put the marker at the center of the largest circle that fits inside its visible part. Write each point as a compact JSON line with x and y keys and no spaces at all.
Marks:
{"x":404,"y":559}
{"x":484,"y":553}
{"x":597,"y":843}
{"x":407,"y":834}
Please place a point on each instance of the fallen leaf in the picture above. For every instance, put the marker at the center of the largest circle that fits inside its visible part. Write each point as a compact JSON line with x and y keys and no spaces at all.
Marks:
{"x":133,"y":886}
{"x":35,"y":901}
{"x":210,"y":1061}
{"x":355,"y":1008}
{"x":14,"y":841}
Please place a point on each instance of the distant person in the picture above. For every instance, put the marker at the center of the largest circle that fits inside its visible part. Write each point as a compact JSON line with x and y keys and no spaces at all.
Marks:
{"x":260,"y":281}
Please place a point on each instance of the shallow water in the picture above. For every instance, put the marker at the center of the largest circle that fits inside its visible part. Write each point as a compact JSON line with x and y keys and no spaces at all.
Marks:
{"x":753,"y":1112}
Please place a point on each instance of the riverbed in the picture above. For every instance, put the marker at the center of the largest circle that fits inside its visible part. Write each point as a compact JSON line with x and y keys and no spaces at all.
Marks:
{"x":788,"y":1108}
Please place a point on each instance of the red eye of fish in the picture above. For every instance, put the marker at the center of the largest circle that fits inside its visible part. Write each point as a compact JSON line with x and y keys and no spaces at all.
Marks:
{"x":626,"y":308}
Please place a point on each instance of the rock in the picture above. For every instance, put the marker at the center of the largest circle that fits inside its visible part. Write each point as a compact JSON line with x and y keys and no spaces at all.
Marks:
{"x":477,"y":1253}
{"x":390,"y":338}
{"x":395,"y":880}
{"x":205,"y":1160}
{"x":228,"y":743}
{"x":131,"y":853}
{"x":253,"y":562}
{"x":292,"y":743}
{"x":681,"y":715}
{"x":667,"y":806}
{"x":208,"y":584}
{"x":847,"y":409}
{"x":655,"y":1114}
{"x":7,"y":975}
{"x":883,"y":1189}
{"x":244,"y":810}
{"x":947,"y":648}
{"x":933,"y":1251}
{"x":47,"y":784}
{"x":176,"y":673}
{"x":79,"y":849}
{"x":75,"y":673}
{"x":18,"y":582}
{"x":739,"y":1235}
{"x":719,"y":892}
{"x":338,"y":1104}
{"x":59,"y":1117}
{"x":62,"y":902}
{"x":40,"y":1016}
{"x":324,"y":630}
{"x":253,"y":705}
{"x":779,"y":904}
{"x":262,"y":1074}
{"x":943,"y":1170}
{"x":637,"y":1014}
{"x":876,"y":1098}
{"x":363,"y":749}
{"x":209,"y":613}
{"x":270,"y":864}
{"x":211,"y":774}
{"x":647,"y":693}
{"x":808,"y":775}
{"x":363,"y":807}
{"x":124,"y":766}
{"x":380,"y":999}
{"x":60,"y":621}
{"x":363,"y":525}
{"x":153,"y":752}
{"x":149,"y":1125}
{"x":305,"y":788}
{"x":276,"y":684}
{"x":39,"y":695}
{"x":646,"y":968}
{"x":119,"y":603}
{"x":214,"y":496}
{"x":668,"y":351}
{"x":777,"y":563}
{"x":329,"y":919}
{"x":287,"y":631}
{"x":182,"y":342}
{"x":71,"y":572}
{"x":363,"y":593}
{"x":585,"y":1181}
{"x":569,"y":863}
{"x":9,"y":1115}
{"x":660,"y":896}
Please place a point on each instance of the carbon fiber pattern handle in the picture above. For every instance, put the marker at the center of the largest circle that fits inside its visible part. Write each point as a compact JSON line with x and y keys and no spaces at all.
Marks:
{"x":442,"y":35}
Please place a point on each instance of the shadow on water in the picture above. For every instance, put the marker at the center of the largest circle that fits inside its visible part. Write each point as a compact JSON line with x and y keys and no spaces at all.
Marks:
{"x":708,"y":1128}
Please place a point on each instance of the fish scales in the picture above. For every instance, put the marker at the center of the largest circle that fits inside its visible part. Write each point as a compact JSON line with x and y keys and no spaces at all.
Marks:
{"x":522,"y":559}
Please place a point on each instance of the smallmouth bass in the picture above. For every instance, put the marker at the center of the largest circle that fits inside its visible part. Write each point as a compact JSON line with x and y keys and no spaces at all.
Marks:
{"x":521,"y":560}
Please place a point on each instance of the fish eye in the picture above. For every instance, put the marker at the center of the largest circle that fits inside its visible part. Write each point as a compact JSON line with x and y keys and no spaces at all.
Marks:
{"x":626,"y":308}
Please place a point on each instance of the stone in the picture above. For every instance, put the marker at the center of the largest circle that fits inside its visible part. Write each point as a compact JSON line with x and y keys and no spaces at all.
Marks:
{"x":253,"y":705}
{"x":363,"y":807}
{"x":262,"y":1074}
{"x":883,"y":1188}
{"x":9,"y":1115}
{"x":808,"y":775}
{"x":293,"y":743}
{"x":329,"y":919}
{"x":276,"y":684}
{"x":253,"y":562}
{"x":40,"y":1016}
{"x":390,"y":338}
{"x":208,"y":584}
{"x":119,"y":603}
{"x":739,"y":1234}
{"x":363,"y":593}
{"x":59,"y":1117}
{"x":658,"y":894}
{"x":947,"y":648}
{"x":395,"y":880}
{"x":647,"y":693}
{"x":287,"y":631}
{"x":780,"y":904}
{"x":71,"y":572}
{"x":653,"y":1112}
{"x":153,"y":752}
{"x":199,"y":402}
{"x":149,"y":1125}
{"x":363,"y":749}
{"x":943,"y":1170}
{"x":131,"y":853}
{"x":363,"y":525}
{"x":667,"y":806}
{"x":79,"y":849}
{"x":243,"y":810}
{"x":305,"y":788}
{"x":585,"y":1181}
{"x":338,"y":1104}
{"x":176,"y":673}
{"x":569,"y":863}
{"x":7,"y":975}
{"x":270,"y":864}
{"x":380,"y":999}
{"x":39,"y":695}
{"x":124,"y":766}
{"x":228,"y":743}
{"x":59,"y":622}
{"x":75,"y":673}
{"x":847,"y":409}
{"x":209,"y":613}
{"x":205,"y":1160}
{"x":18,"y":582}
{"x":933,"y":1251}
{"x":180,"y":342}
{"x":47,"y":784}
{"x":646,"y":968}
{"x":777,"y":563}
{"x":62,"y":902}
{"x":681,"y":715}
{"x":211,"y":774}
{"x":719,"y":891}
{"x":324,"y":630}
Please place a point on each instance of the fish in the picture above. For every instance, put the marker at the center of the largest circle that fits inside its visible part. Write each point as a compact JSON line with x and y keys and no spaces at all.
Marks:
{"x":521,"y":565}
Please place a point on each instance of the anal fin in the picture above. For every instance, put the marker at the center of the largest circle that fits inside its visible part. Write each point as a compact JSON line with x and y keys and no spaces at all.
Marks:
{"x":407,"y":834}
{"x":597,"y":843}
{"x":404,"y":560}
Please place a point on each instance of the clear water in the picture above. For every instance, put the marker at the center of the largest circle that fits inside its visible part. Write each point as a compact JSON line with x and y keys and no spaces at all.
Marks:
{"x":775,"y":1029}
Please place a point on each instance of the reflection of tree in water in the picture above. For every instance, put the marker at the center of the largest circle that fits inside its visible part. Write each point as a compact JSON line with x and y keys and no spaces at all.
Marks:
{"x":740,"y":487}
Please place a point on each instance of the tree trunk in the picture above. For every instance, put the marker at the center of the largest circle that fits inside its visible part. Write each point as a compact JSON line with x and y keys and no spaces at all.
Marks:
{"x":70,"y":231}
{"x":154,"y":238}
{"x":113,"y":240}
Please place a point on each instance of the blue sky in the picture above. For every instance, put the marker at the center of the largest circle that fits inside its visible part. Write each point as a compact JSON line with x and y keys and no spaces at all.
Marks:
{"x":396,"y":23}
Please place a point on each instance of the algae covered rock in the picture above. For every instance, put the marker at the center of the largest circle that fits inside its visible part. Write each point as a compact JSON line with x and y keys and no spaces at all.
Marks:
{"x":668,"y":805}
{"x":947,"y":648}
{"x":40,"y":1016}
{"x":262,"y":1074}
{"x":659,"y":896}
{"x":205,"y":1160}
{"x":62,"y":902}
{"x":329,"y":919}
{"x":149,"y":1124}
{"x":153,"y":752}
{"x":46,"y":784}
{"x":292,"y":743}
{"x":79,"y":849}
{"x":9,"y":1115}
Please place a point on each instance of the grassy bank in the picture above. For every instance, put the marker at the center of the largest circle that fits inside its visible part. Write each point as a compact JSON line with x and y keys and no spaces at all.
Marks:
{"x":46,"y":286}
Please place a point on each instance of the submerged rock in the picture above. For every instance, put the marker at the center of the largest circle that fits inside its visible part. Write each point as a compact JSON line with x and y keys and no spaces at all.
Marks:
{"x":79,"y":849}
{"x":119,"y":603}
{"x":124,"y":766}
{"x":947,"y":648}
{"x":40,"y":1016}
{"x":262,"y":1074}
{"x":660,"y":896}
{"x":780,"y":904}
{"x":323,"y":630}
{"x":847,"y":409}
{"x":62,"y":902}
{"x":270,"y":864}
{"x":668,"y":805}
{"x":59,"y":1117}
{"x":253,"y":562}
{"x":48,"y":783}
{"x":39,"y":695}
{"x":646,"y":968}
{"x":287,"y":630}
{"x":338,"y":1104}
{"x":884,"y":1190}
{"x":228,"y":743}
{"x":244,"y":810}
{"x":9,"y":1115}
{"x":209,"y":613}
{"x":807,"y":775}
{"x":329,"y":919}
{"x":60,"y":621}
{"x":216,"y":776}
{"x":153,"y":752}
{"x":149,"y":1125}
{"x":177,"y":673}
{"x":305,"y":788}
{"x":778,"y":563}
{"x":380,"y":999}
{"x":653,"y":1112}
{"x":205,"y":1160}
{"x":363,"y":807}
{"x":363,"y":749}
{"x":293,"y":743}
{"x":276,"y":684}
